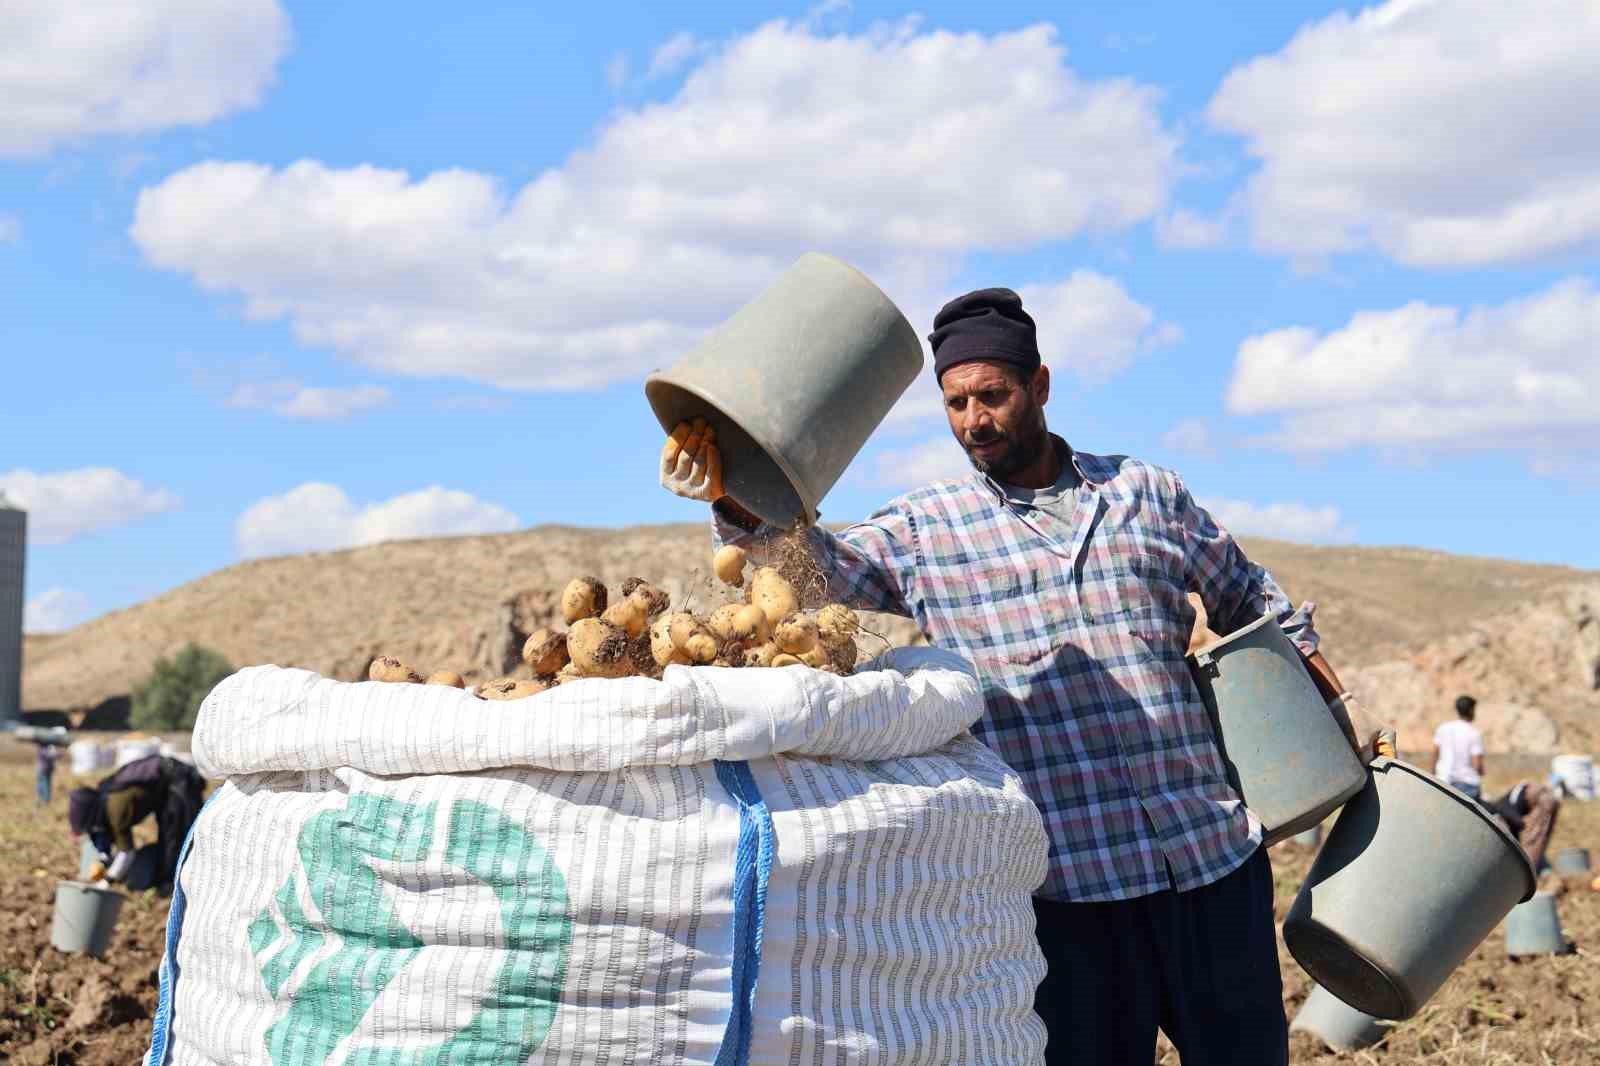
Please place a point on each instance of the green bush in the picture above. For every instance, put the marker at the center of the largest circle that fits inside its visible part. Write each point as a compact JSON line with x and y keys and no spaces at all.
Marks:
{"x":170,"y":697}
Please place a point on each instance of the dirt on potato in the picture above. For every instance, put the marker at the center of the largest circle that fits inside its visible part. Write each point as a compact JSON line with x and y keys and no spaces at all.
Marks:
{"x":69,"y":1009}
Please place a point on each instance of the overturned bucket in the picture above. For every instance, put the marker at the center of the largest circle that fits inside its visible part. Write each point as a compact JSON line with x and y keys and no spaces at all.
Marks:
{"x":1285,"y":753}
{"x":794,"y":384}
{"x":1409,"y":881}
{"x":85,"y":917}
{"x":1337,"y":1024}
{"x":1534,"y":928}
{"x":1570,"y":862}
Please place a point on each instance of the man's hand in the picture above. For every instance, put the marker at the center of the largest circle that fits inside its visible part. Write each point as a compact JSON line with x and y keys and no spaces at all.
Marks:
{"x":1369,"y":737}
{"x":691,"y":464}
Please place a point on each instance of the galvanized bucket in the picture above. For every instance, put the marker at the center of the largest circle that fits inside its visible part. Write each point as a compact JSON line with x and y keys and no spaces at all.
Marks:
{"x":1286,"y":755}
{"x":84,"y":918}
{"x":1410,"y":880}
{"x":1337,"y":1024}
{"x":794,"y":383}
{"x":1534,"y":928}
{"x":1570,"y":862}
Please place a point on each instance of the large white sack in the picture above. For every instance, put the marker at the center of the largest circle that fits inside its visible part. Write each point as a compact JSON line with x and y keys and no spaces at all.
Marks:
{"x":726,"y":866}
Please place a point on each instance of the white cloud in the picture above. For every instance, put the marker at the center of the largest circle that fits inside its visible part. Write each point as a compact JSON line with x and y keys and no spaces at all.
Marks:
{"x":1192,"y":436}
{"x":675,"y":53}
{"x":1442,"y":133}
{"x":294,"y":400}
{"x":75,"y":503}
{"x":71,"y":71}
{"x":1523,"y":375}
{"x":10,"y":228}
{"x":1281,"y":521}
{"x":1088,"y":324}
{"x":1182,"y":228}
{"x":317,"y":516}
{"x":54,"y":610}
{"x":878,"y":147}
{"x":930,"y":460}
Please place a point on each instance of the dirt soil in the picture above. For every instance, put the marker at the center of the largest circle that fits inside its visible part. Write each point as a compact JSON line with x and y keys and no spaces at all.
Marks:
{"x":57,"y":1008}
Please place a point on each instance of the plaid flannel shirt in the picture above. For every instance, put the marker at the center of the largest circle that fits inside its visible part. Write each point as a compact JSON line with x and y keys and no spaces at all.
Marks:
{"x":1079,"y":632}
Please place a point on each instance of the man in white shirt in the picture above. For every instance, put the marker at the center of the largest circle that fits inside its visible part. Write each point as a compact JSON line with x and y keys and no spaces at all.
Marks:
{"x":1458,"y":750}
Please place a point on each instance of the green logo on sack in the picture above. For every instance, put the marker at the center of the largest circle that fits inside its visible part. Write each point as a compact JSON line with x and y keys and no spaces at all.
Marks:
{"x":344,"y":857}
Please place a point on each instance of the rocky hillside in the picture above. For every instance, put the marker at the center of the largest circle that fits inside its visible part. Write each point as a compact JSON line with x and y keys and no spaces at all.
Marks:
{"x":1409,"y":627}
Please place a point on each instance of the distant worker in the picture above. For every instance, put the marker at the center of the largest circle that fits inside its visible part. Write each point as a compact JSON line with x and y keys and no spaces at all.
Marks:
{"x":1458,"y":750}
{"x":44,"y":772}
{"x":156,"y":785}
{"x":1529,"y":810}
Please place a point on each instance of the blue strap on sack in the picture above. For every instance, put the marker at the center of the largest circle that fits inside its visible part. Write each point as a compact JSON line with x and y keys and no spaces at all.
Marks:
{"x":752,"y":866}
{"x":168,"y":974}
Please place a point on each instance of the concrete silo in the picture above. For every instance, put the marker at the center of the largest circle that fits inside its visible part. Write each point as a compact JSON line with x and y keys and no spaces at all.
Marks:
{"x":13,"y":552}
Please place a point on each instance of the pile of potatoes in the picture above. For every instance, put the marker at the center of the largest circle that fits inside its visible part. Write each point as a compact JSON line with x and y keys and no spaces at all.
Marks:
{"x":637,"y":635}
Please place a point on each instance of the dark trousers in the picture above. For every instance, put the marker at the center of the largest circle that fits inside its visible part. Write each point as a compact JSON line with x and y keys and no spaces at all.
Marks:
{"x":1202,"y":965}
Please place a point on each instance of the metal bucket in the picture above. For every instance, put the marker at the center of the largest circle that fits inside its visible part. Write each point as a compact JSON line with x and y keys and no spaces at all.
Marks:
{"x":1410,"y":880}
{"x":1570,"y":862}
{"x":794,"y":383}
{"x":1286,"y":755}
{"x":1337,"y":1024}
{"x":84,"y":919}
{"x":1534,"y":928}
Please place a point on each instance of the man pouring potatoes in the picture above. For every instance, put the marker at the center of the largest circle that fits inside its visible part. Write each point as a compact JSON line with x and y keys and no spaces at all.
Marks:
{"x":1063,"y":576}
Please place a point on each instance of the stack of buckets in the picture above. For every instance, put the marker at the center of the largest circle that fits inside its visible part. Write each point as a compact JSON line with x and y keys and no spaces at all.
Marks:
{"x":1412,"y":876}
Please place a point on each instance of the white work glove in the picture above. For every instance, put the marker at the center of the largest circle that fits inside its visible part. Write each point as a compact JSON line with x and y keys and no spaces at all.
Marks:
{"x":119,"y":866}
{"x":691,"y":464}
{"x":1369,"y":737}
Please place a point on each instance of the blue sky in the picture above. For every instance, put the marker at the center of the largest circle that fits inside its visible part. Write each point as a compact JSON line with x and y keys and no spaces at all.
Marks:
{"x":282,"y":277}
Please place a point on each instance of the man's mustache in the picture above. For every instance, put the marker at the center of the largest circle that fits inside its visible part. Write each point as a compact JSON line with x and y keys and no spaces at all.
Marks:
{"x":974,"y":440}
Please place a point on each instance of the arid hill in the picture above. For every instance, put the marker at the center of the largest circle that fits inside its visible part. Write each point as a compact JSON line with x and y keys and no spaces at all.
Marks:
{"x":1408,"y":626}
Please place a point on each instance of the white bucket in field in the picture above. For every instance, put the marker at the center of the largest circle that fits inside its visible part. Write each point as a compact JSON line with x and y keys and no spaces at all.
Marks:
{"x":85,"y":757}
{"x":1576,"y":775}
{"x":129,"y":750}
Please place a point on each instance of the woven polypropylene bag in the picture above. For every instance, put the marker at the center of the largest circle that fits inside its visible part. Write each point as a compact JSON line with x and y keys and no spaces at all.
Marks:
{"x":725,"y":866}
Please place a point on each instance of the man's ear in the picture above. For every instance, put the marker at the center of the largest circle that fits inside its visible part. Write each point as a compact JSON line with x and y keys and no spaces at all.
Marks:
{"x":1040,"y":385}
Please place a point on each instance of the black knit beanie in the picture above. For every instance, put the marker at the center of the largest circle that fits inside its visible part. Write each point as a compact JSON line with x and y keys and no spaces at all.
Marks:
{"x":987,"y":324}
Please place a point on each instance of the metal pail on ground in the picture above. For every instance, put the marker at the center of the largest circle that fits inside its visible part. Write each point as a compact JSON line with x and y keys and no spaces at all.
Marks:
{"x":85,"y":917}
{"x":1337,"y":1024}
{"x":1286,"y":755}
{"x":1409,"y":881}
{"x":1534,"y":928}
{"x":794,"y":383}
{"x":1570,"y":862}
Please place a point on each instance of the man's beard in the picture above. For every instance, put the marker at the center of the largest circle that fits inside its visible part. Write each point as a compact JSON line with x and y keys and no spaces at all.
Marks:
{"x":1019,"y":452}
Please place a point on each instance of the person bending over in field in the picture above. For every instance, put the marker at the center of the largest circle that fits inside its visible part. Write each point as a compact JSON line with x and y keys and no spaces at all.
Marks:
{"x":1063,"y":575}
{"x":167,"y":788}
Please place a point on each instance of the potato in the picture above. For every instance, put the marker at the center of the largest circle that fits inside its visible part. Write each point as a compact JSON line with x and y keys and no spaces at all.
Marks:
{"x":388,"y":668}
{"x":598,"y":648}
{"x":761,"y":654}
{"x":651,"y":598}
{"x":703,"y":647}
{"x":751,"y":624}
{"x":565,"y":674}
{"x":837,"y":623}
{"x":681,"y":626}
{"x":843,"y":654}
{"x":510,"y":688}
{"x":662,"y":648}
{"x":628,"y":615}
{"x":772,"y":592}
{"x":816,"y":657}
{"x":787,"y":660}
{"x":721,"y":622}
{"x":728,"y":564}
{"x":545,"y":651}
{"x":797,"y":635}
{"x":584,"y":597}
{"x":446,"y":677}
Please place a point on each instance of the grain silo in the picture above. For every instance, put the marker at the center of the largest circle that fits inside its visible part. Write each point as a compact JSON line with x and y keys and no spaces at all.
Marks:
{"x":13,"y":552}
